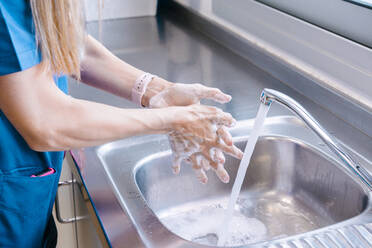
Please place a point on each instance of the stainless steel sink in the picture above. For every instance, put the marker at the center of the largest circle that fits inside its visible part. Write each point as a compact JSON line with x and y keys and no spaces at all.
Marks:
{"x":290,"y":187}
{"x":294,"y":193}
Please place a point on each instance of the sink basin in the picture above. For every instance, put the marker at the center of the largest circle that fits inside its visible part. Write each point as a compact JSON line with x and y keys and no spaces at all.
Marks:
{"x":290,"y":188}
{"x":294,"y":190}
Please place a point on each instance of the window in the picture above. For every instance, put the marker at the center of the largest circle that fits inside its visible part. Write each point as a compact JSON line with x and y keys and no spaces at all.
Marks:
{"x":366,"y":3}
{"x":351,"y":19}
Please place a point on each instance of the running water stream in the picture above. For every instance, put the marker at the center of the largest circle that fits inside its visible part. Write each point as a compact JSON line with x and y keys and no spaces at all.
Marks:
{"x":224,"y":230}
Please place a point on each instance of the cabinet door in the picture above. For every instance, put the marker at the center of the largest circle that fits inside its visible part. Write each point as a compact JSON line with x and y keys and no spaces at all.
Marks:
{"x":74,"y":202}
{"x":66,"y":231}
{"x":88,"y":228}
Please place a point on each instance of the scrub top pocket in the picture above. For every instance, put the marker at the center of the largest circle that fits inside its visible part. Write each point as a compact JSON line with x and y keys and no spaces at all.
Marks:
{"x":24,"y":203}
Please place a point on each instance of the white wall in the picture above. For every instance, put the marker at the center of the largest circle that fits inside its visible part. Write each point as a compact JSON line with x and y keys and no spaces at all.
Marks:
{"x":113,"y":9}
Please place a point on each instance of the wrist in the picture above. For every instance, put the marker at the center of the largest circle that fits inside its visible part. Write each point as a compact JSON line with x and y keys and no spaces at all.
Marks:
{"x":153,"y":88}
{"x":170,"y":117}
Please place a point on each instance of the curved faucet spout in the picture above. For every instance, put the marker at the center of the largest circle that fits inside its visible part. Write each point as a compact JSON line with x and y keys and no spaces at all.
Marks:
{"x":268,"y":96}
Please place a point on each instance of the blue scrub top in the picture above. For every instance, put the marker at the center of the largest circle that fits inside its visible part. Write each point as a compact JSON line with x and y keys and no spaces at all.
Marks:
{"x":25,"y":202}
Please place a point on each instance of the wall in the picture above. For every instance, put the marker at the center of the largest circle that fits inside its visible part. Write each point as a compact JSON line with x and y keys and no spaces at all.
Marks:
{"x":112,"y":9}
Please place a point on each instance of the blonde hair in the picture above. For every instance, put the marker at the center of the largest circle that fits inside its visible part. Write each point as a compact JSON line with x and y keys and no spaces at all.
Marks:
{"x":59,"y":26}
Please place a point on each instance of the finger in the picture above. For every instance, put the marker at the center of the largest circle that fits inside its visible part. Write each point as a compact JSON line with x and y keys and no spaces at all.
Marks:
{"x":214,"y":94}
{"x":197,"y":166}
{"x":205,"y":164}
{"x":231,"y":150}
{"x":222,"y":174}
{"x":211,"y":163}
{"x":176,"y":165}
{"x":174,"y":142}
{"x":223,"y":119}
{"x":218,"y":168}
{"x":225,"y":135}
{"x":200,"y":174}
{"x":217,"y":155}
{"x":183,"y":144}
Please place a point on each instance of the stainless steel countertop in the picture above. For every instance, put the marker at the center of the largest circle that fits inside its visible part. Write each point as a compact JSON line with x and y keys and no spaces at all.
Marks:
{"x":170,"y":49}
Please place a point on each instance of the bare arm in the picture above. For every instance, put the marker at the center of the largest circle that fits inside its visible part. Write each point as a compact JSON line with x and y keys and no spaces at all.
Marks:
{"x":102,"y":69}
{"x":50,"y":120}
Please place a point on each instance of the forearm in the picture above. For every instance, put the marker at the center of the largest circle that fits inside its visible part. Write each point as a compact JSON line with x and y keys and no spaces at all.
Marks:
{"x":78,"y":123}
{"x":50,"y":120}
{"x":103,"y":70}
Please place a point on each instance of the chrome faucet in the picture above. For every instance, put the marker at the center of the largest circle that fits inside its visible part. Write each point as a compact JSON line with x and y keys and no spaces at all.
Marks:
{"x":268,"y":96}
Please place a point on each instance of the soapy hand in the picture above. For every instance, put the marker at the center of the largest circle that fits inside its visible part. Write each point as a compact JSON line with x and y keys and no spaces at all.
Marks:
{"x":186,"y":94}
{"x":203,"y":154}
{"x":203,"y":148}
{"x":203,"y":141}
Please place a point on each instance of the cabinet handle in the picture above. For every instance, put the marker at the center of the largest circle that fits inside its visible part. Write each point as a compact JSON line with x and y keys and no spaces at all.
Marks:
{"x":58,"y":213}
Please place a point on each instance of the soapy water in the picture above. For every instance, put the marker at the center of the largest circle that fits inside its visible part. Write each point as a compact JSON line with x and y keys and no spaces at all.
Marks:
{"x":223,"y":232}
{"x":216,"y":226}
{"x":199,"y":225}
{"x":255,"y":219}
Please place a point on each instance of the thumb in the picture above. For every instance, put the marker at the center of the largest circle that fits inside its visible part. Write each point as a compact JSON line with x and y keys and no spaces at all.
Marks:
{"x":214,"y":94}
{"x":158,"y":101}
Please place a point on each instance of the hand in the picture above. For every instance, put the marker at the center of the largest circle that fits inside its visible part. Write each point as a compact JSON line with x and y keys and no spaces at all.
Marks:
{"x":186,"y":94}
{"x":204,"y":155}
{"x":166,"y":94}
{"x":201,"y":140}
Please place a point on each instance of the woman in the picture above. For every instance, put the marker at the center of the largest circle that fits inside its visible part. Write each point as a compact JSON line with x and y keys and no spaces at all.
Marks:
{"x":38,"y":120}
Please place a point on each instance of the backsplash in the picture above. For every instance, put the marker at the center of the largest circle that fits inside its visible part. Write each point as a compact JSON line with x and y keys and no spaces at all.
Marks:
{"x":113,"y":9}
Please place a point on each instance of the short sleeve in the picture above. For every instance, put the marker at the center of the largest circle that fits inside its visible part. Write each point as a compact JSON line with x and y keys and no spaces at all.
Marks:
{"x":18,"y":46}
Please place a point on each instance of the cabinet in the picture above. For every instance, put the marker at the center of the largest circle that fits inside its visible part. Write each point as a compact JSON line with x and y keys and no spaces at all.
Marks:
{"x":73,"y":204}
